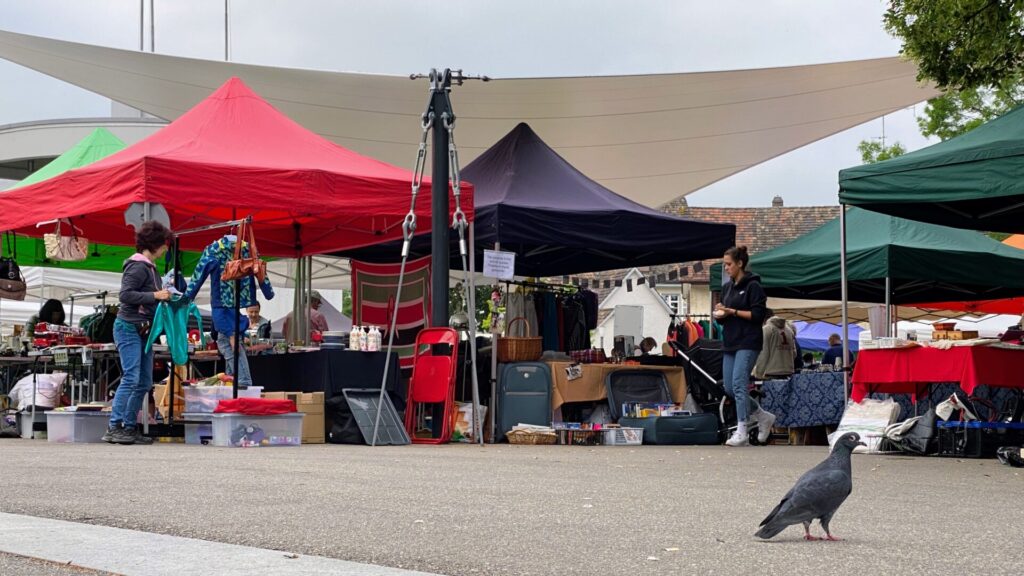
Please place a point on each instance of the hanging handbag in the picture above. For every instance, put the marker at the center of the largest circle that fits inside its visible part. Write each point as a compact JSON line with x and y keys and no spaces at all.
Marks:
{"x":66,"y":248}
{"x":238,"y":267}
{"x":12,"y":283}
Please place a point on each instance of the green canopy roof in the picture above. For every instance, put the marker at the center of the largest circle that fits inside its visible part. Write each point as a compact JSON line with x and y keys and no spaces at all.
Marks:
{"x":973,"y":181}
{"x":99,"y":144}
{"x":927,"y":263}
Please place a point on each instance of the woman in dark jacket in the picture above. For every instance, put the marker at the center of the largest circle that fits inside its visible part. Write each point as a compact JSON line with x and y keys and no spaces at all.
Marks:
{"x":742,"y":313}
{"x":140,"y":292}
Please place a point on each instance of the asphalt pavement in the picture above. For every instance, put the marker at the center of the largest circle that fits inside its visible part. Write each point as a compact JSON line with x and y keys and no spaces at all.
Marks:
{"x":532,"y":510}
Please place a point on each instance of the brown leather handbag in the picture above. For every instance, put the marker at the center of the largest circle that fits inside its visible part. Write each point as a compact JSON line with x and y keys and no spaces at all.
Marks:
{"x":238,"y":267}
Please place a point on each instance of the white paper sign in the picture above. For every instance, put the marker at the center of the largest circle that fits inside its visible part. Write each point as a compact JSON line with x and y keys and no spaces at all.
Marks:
{"x":501,"y":265}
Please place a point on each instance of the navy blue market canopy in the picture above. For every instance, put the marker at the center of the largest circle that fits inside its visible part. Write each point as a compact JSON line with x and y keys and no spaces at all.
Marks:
{"x":558,"y":221}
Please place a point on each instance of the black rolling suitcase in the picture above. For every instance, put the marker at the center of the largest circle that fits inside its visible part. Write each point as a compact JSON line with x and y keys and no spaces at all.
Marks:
{"x":524,"y":396}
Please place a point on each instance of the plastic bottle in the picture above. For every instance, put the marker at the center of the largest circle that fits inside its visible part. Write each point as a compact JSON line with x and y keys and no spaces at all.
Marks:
{"x":364,"y":340}
{"x":353,"y":338}
{"x":374,"y":344}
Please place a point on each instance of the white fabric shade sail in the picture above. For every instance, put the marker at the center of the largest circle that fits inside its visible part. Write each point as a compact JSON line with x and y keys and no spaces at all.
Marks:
{"x":651,"y":138}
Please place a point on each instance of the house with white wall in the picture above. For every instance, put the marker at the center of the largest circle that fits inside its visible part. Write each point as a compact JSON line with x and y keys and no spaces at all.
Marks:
{"x":656,"y":312}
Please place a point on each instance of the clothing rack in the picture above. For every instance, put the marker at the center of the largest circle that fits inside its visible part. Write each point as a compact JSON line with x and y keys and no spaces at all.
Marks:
{"x":102,"y":295}
{"x":178,"y":278}
{"x":565,"y":288}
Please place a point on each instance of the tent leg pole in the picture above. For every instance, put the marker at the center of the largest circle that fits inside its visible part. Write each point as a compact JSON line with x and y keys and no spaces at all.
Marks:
{"x":478,"y":428}
{"x":845,"y":304}
{"x":494,"y":370}
{"x":889,"y":329}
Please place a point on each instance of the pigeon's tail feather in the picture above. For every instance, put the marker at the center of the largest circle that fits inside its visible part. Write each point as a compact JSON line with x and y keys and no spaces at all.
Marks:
{"x":770,"y":530}
{"x":771,"y":515}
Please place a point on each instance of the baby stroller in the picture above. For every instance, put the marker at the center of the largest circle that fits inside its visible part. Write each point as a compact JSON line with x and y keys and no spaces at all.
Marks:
{"x":702,"y":365}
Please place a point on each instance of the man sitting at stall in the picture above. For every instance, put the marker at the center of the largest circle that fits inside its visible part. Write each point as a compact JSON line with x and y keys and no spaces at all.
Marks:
{"x":317,"y":321}
{"x":835,"y":352}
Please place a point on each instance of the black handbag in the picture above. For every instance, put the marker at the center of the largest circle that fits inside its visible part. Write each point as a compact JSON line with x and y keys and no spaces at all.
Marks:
{"x":12,"y":283}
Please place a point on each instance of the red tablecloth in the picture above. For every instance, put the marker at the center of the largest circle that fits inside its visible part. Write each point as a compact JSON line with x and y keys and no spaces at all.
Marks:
{"x":904,"y":371}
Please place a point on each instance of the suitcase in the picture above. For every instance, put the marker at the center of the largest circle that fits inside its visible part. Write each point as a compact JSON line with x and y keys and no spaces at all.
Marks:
{"x":524,"y":396}
{"x":649,"y":386}
{"x":692,"y":430}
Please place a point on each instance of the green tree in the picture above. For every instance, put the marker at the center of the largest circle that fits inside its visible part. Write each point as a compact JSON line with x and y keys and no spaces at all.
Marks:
{"x":960,"y":44}
{"x":872,"y":151}
{"x":959,"y":111}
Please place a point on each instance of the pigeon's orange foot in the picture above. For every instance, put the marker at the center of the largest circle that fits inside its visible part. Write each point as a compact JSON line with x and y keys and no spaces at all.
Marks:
{"x":810,"y":538}
{"x":832,"y":538}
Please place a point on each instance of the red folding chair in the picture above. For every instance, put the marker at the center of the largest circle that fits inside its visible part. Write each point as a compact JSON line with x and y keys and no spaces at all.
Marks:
{"x":432,"y":383}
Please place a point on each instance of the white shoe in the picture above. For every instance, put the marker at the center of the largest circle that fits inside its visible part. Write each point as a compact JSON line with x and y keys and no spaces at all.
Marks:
{"x":737,"y":439}
{"x":765,"y":421}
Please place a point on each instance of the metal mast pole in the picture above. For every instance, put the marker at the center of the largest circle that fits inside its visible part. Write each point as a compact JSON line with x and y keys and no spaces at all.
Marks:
{"x":440,"y":85}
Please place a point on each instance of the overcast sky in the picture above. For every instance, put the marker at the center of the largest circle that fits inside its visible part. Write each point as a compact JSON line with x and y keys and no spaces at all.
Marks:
{"x":512,"y":38}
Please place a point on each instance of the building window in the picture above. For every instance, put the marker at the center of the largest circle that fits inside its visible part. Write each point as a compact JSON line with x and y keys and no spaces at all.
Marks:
{"x":673,"y":302}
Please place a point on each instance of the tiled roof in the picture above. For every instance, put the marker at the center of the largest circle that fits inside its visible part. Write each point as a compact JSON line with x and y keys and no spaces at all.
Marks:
{"x":758,"y":229}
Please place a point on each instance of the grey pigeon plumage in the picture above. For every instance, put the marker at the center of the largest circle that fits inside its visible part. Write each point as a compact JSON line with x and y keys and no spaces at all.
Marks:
{"x":817,"y":494}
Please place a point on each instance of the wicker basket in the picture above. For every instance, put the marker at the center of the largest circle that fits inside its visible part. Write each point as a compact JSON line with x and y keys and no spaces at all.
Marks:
{"x":524,"y":437}
{"x":519,"y":349}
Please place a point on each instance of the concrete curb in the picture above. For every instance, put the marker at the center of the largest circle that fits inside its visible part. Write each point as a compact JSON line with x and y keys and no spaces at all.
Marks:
{"x":134,"y":553}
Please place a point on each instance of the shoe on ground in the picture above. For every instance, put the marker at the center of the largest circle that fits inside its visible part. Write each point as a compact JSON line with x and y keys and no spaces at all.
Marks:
{"x":737,"y":439}
{"x":765,"y":421}
{"x":108,"y":436}
{"x":119,"y":436}
{"x":141,"y":438}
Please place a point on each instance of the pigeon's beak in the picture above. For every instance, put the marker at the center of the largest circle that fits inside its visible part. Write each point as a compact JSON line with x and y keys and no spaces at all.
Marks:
{"x":862,"y":444}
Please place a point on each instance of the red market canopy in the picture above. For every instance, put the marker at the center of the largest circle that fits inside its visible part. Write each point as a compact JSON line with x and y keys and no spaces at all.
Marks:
{"x":232,"y":155}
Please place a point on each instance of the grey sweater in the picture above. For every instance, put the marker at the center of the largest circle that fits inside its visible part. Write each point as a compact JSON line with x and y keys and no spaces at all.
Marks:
{"x":138,"y":283}
{"x":776,"y":358}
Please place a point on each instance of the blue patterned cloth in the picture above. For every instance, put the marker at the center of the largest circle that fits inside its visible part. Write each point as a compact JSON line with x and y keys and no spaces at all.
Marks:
{"x":222,"y":293}
{"x":813,"y":399}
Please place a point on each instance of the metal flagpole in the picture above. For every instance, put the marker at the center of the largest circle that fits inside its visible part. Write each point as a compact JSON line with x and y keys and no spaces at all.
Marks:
{"x":888,"y":307}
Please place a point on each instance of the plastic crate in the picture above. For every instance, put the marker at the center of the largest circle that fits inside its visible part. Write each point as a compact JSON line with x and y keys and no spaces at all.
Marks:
{"x":976,"y":439}
{"x":76,"y":427}
{"x":198,"y":429}
{"x":623,"y":436}
{"x":244,"y":431}
{"x":579,"y":437}
{"x":204,"y":399}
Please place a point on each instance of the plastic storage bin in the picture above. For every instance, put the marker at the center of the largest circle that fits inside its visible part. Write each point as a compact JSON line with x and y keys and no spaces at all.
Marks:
{"x":198,"y":428}
{"x":976,"y":439}
{"x":623,"y":436}
{"x":244,"y":431}
{"x":25,"y":423}
{"x":76,"y":427}
{"x":204,"y":399}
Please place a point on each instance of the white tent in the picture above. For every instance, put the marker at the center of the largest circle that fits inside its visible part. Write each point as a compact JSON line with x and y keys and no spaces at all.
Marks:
{"x":651,"y":138}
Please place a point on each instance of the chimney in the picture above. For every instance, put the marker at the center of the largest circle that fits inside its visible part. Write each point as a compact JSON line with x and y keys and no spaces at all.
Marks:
{"x":777,"y":202}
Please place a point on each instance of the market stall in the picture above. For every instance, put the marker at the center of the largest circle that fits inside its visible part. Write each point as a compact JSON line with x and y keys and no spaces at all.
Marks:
{"x":557,"y":221}
{"x":911,"y":370}
{"x":302,"y":195}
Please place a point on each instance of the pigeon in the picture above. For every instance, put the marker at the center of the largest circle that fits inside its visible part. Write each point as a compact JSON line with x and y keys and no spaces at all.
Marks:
{"x":816,"y":495}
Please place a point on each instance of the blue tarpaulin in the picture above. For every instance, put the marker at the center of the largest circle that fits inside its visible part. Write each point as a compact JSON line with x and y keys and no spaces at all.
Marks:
{"x":813,"y":336}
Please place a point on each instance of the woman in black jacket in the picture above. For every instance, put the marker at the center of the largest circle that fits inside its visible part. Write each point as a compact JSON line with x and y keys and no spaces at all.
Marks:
{"x":742,"y":313}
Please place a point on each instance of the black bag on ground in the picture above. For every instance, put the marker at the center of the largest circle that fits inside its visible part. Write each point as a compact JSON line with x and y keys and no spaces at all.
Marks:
{"x":921,"y":438}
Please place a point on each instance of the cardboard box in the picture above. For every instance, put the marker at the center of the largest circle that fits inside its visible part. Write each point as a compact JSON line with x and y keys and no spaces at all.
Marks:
{"x":954,"y":334}
{"x":312,"y":405}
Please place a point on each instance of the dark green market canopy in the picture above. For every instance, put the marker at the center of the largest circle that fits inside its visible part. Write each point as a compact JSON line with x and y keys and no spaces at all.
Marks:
{"x":973,"y":181}
{"x":925,"y":263}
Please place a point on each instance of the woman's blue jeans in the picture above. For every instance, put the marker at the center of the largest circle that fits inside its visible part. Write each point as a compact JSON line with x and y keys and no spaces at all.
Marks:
{"x":136,"y":375}
{"x":736,"y":368}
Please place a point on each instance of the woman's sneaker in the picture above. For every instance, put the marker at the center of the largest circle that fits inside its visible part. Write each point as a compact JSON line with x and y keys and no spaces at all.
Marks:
{"x":738,"y":439}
